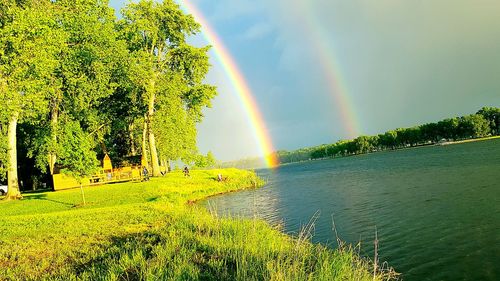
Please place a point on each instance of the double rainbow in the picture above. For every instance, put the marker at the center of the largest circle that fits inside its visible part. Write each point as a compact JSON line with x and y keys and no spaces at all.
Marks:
{"x":330,"y":67}
{"x":240,"y":86}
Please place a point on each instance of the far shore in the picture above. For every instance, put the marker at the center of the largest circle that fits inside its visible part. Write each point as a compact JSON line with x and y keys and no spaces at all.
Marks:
{"x":397,"y":149}
{"x":471,"y":140}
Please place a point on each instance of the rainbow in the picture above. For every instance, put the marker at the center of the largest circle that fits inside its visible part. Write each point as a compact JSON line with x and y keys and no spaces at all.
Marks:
{"x":331,"y":69}
{"x":239,"y":83}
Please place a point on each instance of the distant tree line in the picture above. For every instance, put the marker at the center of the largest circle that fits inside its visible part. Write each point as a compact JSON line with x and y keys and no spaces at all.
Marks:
{"x":484,"y":123}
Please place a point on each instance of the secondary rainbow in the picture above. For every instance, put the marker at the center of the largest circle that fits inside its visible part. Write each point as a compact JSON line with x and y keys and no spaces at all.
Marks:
{"x":240,"y":85}
{"x":331,"y":68}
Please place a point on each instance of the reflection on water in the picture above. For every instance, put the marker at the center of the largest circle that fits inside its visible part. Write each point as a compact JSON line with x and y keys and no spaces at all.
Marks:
{"x":437,"y":209}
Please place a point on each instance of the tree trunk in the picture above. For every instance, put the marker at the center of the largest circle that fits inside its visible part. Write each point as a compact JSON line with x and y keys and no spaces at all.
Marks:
{"x":13,"y":185}
{"x":164,"y":165}
{"x":83,"y":194}
{"x":144,"y":143}
{"x":133,"y":151}
{"x":103,"y":147}
{"x":155,"y":166}
{"x":54,"y":116}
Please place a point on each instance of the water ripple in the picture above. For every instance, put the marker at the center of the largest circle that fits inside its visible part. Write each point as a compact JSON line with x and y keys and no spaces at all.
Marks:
{"x":436,"y":210}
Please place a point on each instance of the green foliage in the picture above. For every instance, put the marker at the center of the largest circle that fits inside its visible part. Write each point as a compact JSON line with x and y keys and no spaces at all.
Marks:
{"x":204,"y":162}
{"x":175,"y":129}
{"x":89,"y":71}
{"x":73,"y":60}
{"x":77,"y":157}
{"x":492,"y":114}
{"x":473,"y":126}
{"x":30,"y":40}
{"x":146,"y":231}
{"x":197,"y":98}
{"x":365,"y":144}
{"x":149,"y":25}
{"x":166,"y":74}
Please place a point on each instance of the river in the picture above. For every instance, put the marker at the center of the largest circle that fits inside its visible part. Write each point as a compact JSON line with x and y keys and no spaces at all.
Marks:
{"x":436,"y":208}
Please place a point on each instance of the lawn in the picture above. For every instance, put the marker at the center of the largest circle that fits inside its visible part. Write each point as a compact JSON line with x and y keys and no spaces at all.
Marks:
{"x":154,"y":231}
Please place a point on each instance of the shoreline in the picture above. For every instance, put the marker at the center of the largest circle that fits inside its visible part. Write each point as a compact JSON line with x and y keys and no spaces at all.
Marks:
{"x":469,"y":140}
{"x":150,"y":229}
{"x":196,"y":201}
{"x":396,"y":149}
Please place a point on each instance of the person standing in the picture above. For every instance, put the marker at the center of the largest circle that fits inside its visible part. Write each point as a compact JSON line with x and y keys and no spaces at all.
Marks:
{"x":145,"y":173}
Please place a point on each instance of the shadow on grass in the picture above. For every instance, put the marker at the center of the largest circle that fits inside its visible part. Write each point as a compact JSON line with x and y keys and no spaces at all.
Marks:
{"x":46,"y":190}
{"x":43,"y":196}
{"x":136,"y":256}
{"x":153,"y":199}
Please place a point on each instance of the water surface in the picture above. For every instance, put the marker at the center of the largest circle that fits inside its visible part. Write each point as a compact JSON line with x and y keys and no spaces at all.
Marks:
{"x":436,"y":209}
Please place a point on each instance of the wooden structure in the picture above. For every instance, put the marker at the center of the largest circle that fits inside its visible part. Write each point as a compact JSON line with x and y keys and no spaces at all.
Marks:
{"x":106,"y":175}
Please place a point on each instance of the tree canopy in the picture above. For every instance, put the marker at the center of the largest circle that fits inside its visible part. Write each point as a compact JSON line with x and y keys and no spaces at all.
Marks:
{"x":80,"y":83}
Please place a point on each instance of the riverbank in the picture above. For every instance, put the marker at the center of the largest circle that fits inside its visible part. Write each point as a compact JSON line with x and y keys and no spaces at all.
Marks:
{"x":470,"y":140}
{"x":146,"y":231}
{"x":423,"y":145}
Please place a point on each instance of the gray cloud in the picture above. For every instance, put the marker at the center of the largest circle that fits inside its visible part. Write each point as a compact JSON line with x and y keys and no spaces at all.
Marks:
{"x":404,"y":62}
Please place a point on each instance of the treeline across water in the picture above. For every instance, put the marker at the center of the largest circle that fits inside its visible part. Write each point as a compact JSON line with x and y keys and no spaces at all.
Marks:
{"x":486,"y":122}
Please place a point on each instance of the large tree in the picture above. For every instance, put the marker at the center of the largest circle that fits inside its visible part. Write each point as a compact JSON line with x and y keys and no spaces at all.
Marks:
{"x":87,"y":69}
{"x":30,"y":40}
{"x":181,"y":105}
{"x":156,"y":33}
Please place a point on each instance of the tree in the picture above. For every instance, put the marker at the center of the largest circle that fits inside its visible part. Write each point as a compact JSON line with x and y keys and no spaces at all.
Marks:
{"x":207,"y":161}
{"x":448,"y":128}
{"x":156,"y":34}
{"x":492,"y":114}
{"x":175,"y":129}
{"x":430,"y":132}
{"x":86,"y":72}
{"x":29,"y":42}
{"x":319,"y":152}
{"x":363,"y":144}
{"x":473,"y":126}
{"x":388,"y":139}
{"x":76,"y":155}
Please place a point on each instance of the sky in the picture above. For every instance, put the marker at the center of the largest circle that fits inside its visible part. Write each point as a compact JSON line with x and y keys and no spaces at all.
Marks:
{"x":324,"y":70}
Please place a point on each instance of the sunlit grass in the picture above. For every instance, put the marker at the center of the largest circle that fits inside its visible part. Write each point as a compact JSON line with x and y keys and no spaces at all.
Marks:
{"x":148,"y":231}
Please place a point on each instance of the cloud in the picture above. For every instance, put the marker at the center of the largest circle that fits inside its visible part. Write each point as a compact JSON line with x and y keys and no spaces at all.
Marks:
{"x":258,"y":31}
{"x":225,"y":10}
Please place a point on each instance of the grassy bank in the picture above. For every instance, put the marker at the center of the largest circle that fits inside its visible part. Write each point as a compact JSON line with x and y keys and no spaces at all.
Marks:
{"x":147,"y":231}
{"x":474,"y":140}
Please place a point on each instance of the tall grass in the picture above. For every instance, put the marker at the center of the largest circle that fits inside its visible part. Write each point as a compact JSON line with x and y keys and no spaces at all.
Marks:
{"x":146,"y":231}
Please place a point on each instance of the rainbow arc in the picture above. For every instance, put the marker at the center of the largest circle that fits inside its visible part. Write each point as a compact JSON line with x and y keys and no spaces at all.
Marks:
{"x":240,"y":85}
{"x":327,"y":59}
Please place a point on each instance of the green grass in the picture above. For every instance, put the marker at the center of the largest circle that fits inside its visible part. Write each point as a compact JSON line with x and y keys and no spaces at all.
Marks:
{"x":149,"y":231}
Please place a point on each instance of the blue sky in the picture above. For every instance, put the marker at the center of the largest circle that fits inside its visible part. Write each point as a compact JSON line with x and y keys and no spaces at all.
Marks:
{"x":403,"y":63}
